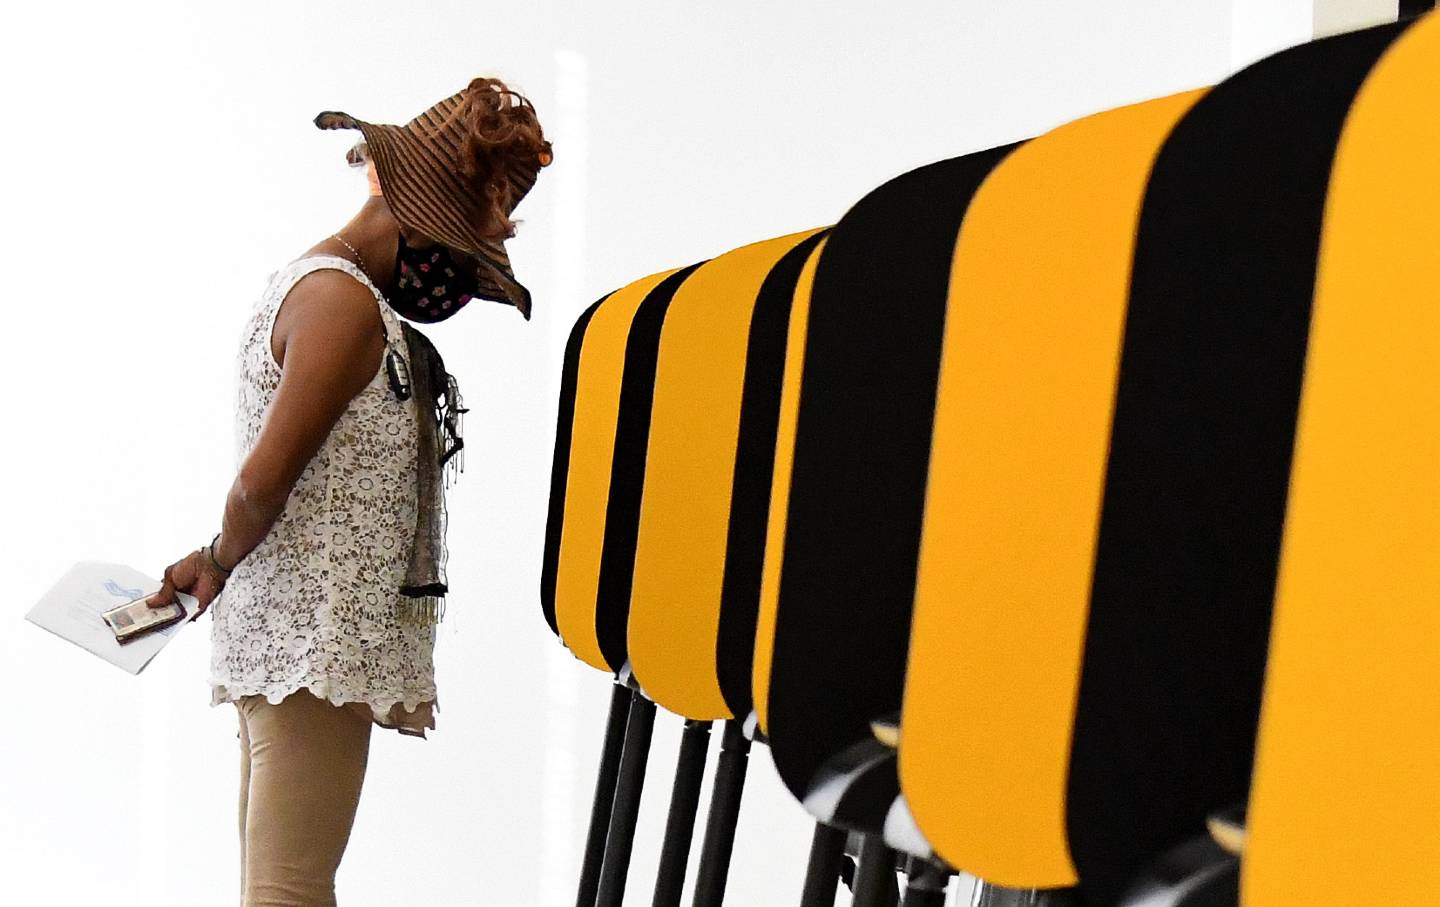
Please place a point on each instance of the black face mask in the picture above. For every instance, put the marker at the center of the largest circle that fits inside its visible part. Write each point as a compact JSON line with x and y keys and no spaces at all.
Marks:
{"x":430,"y":285}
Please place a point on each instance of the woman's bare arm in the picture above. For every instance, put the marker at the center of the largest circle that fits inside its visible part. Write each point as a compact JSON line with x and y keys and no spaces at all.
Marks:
{"x":329,"y":340}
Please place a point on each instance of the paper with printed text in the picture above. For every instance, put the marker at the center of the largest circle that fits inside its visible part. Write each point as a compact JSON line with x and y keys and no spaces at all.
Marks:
{"x":72,"y":609}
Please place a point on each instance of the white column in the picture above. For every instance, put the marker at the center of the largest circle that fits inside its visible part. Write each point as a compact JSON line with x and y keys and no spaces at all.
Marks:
{"x":564,"y":796}
{"x":1335,"y":16}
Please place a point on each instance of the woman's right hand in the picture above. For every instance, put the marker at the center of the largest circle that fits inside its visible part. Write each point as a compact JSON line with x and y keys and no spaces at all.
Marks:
{"x":193,"y":574}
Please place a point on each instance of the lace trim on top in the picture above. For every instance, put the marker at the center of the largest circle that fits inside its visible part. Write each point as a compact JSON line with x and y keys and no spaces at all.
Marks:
{"x":413,"y":717}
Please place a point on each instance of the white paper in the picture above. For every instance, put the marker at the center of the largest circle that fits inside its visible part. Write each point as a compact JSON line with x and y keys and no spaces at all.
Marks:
{"x":72,"y":610}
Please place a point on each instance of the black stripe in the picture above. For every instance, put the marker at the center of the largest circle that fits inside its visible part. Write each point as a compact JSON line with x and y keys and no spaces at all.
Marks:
{"x":560,"y":468}
{"x":754,"y":470}
{"x":1205,"y":412}
{"x":627,"y":471}
{"x":862,"y":448}
{"x":1410,"y":8}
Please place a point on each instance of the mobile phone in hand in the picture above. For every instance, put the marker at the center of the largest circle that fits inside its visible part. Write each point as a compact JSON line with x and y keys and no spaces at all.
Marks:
{"x":135,"y":619}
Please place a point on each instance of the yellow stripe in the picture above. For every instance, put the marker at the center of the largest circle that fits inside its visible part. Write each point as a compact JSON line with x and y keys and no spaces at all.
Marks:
{"x":1033,"y":334}
{"x":780,"y":486}
{"x":1345,"y":807}
{"x":689,"y":476}
{"x":587,"y":488}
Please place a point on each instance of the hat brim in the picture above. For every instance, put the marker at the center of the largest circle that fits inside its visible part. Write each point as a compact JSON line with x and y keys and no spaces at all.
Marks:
{"x":426,"y":195}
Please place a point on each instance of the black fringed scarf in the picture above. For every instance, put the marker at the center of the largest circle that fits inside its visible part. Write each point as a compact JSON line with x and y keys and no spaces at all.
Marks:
{"x":439,"y":459}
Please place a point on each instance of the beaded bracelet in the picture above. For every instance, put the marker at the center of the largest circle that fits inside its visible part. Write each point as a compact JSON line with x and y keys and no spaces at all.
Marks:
{"x":210,"y":552}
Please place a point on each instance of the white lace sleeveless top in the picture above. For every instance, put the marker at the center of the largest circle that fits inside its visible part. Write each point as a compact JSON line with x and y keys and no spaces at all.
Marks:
{"x":317,"y":604}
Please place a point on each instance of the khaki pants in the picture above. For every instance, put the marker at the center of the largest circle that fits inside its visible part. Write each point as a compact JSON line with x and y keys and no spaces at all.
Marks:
{"x":302,"y":764}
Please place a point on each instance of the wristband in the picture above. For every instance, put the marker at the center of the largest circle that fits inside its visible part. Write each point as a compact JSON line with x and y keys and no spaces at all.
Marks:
{"x":210,"y":553}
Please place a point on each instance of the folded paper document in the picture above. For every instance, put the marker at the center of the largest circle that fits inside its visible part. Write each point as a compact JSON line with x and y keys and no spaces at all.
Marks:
{"x":73,"y":607}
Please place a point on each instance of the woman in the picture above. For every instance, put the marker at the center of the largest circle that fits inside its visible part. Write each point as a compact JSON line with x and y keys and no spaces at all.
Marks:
{"x":330,"y":554}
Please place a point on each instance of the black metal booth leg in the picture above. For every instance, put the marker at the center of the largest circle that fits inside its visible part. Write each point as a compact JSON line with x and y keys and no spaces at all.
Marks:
{"x":925,"y":883}
{"x":604,"y":796}
{"x":684,"y":803}
{"x":827,"y":849}
{"x":620,"y":837}
{"x":714,"y":869}
{"x":875,"y":877}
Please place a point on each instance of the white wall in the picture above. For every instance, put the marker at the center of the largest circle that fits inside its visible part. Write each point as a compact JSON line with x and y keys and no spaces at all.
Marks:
{"x":159,"y":162}
{"x":1260,"y":29}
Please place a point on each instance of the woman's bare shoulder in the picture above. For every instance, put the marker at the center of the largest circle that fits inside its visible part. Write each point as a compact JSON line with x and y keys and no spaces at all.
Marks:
{"x":329,"y":303}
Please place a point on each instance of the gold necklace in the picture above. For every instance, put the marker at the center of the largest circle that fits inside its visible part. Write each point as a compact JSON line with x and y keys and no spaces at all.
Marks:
{"x":359,"y":259}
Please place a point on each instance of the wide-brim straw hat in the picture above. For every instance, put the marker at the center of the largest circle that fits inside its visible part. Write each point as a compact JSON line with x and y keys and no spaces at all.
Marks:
{"x":421,"y":177}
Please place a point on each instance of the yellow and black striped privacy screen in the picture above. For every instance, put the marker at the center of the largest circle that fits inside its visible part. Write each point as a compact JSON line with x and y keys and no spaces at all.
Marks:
{"x":780,"y":483}
{"x":560,"y":465}
{"x":766,"y":362}
{"x":690,"y":472}
{"x":1032,"y":345}
{"x":1345,"y":807}
{"x":1200,"y":454}
{"x":607,"y":436}
{"x":857,"y":473}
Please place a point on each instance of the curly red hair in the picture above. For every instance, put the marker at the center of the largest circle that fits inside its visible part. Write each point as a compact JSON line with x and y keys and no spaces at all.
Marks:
{"x":503,"y":149}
